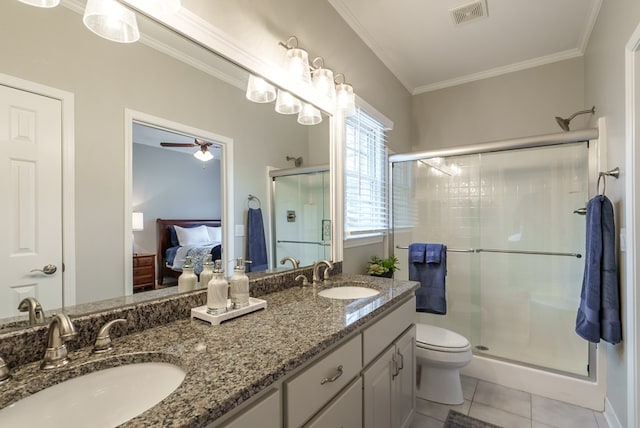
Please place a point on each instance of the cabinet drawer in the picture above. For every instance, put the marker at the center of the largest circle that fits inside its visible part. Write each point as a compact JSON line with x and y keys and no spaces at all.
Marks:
{"x":143,"y":276}
{"x":344,"y":411}
{"x":377,"y":337}
{"x":264,"y":414}
{"x":306,"y":393}
{"x":139,"y":261}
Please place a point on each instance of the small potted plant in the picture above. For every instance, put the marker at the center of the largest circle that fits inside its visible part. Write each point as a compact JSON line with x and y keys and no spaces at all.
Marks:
{"x":382,"y":267}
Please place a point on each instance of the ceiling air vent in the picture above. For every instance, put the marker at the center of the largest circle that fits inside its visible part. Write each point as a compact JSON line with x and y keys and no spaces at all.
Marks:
{"x":469,"y":12}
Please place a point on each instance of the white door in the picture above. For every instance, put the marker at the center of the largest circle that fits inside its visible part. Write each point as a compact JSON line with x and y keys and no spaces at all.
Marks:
{"x":31,"y":194}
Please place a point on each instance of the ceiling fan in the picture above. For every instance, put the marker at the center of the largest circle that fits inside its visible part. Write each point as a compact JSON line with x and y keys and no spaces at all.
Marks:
{"x":202,"y":154}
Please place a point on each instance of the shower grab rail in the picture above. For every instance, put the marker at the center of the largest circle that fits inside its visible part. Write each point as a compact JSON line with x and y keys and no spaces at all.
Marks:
{"x":491,"y":250}
{"x":322,"y":243}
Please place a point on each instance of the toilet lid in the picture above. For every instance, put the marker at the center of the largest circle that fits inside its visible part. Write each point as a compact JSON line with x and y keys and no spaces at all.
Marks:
{"x":432,"y":336}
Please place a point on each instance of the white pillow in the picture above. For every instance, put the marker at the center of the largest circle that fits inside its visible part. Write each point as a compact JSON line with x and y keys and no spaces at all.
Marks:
{"x":215,"y":233}
{"x":192,"y":235}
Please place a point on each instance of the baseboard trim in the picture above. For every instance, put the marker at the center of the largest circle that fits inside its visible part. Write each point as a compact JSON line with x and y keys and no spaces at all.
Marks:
{"x":610,"y":415}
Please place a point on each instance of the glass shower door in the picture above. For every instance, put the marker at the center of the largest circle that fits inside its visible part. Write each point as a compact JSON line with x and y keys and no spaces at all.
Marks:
{"x":301,"y":217}
{"x":498,"y":208}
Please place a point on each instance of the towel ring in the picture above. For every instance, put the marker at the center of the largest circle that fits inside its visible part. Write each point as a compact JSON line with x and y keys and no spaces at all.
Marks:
{"x":615,"y":173}
{"x":254,"y":199}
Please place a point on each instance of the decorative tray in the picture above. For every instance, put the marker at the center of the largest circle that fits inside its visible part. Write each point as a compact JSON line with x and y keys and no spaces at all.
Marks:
{"x":201,"y":311}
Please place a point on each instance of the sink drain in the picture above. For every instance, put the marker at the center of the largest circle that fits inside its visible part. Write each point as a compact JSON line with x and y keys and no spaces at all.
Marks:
{"x":481,"y":348}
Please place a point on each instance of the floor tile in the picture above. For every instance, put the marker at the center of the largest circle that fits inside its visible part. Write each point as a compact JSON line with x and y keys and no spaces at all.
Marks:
{"x":503,"y":398}
{"x":469,"y":385}
{"x":422,"y":421}
{"x":439,"y":411}
{"x":600,"y":419}
{"x":561,"y":415}
{"x":536,"y":424}
{"x":498,"y":417}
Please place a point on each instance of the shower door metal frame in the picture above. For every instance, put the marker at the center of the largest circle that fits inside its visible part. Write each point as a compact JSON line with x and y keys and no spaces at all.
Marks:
{"x":588,"y":135}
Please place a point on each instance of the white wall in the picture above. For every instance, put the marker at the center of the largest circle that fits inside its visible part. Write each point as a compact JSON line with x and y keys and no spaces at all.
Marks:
{"x":52,"y":47}
{"x":169,"y":184}
{"x":605,"y":87}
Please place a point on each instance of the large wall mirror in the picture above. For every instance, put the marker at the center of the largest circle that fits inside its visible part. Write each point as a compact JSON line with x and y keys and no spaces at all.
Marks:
{"x":119,"y":103}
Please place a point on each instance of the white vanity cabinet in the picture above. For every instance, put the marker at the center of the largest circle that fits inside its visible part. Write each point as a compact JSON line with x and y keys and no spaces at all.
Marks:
{"x":266,"y":413}
{"x":390,"y":369}
{"x":345,"y":411}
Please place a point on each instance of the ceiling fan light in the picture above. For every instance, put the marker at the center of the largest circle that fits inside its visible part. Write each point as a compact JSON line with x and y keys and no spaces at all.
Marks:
{"x":259,"y":91}
{"x":111,"y":20}
{"x":203,"y":155}
{"x":345,"y":99}
{"x":41,"y":3}
{"x":309,"y":115}
{"x":287,"y":103}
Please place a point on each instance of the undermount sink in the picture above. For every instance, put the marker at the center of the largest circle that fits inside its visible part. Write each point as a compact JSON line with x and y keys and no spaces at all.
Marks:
{"x":104,"y":398}
{"x":348,"y":292}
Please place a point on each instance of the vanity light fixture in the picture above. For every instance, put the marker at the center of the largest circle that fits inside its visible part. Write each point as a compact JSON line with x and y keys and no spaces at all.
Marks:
{"x":345,"y":98}
{"x":111,"y":20}
{"x":41,"y":3}
{"x":322,"y":80}
{"x":203,"y":154}
{"x":259,"y":91}
{"x":287,"y":103}
{"x":296,"y":61}
{"x":309,"y":115}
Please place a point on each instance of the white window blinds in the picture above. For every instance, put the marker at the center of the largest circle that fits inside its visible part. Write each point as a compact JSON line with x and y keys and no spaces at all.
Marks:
{"x":365,"y":176}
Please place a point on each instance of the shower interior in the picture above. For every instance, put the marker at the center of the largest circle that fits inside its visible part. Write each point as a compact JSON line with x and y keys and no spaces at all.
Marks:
{"x":301,"y":225}
{"x":510,"y":304}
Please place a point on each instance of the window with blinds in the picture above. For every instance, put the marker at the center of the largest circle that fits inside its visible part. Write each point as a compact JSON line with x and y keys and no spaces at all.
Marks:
{"x":365,"y":176}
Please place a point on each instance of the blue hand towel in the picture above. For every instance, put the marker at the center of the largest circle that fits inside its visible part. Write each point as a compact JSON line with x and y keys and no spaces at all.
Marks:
{"x":599,"y":312}
{"x":431,"y":295}
{"x":417,"y":253}
{"x":256,"y":245}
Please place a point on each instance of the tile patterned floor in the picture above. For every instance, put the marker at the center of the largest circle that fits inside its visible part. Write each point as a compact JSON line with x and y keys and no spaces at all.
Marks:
{"x":508,"y":408}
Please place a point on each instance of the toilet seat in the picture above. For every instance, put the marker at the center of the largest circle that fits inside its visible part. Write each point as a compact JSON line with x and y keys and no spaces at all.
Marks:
{"x":440,"y":339}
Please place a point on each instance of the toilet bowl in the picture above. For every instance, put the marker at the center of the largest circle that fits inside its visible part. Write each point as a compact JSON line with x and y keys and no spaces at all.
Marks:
{"x":440,"y":354}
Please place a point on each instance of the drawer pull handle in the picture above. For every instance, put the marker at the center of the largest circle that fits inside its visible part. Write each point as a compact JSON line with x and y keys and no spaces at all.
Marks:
{"x":401,"y":361}
{"x":334,"y":377}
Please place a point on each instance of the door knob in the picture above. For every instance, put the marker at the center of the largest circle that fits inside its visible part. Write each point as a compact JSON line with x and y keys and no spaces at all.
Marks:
{"x":47,"y":270}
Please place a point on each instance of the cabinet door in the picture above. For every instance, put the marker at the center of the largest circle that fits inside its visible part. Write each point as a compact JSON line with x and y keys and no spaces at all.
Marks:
{"x":264,"y":414}
{"x":404,"y":384}
{"x":378,"y":391}
{"x":344,"y":412}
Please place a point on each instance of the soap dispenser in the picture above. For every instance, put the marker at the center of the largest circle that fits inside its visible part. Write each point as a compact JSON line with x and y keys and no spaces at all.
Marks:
{"x":217,"y":291}
{"x":207,"y":271}
{"x":239,"y":284}
{"x":187,"y":279}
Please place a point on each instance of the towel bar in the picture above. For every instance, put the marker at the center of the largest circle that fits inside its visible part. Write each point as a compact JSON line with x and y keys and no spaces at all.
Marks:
{"x":489,"y":250}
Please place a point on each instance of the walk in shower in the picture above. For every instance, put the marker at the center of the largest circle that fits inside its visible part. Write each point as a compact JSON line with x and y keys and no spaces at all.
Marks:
{"x":515,"y":234}
{"x":301,"y":224}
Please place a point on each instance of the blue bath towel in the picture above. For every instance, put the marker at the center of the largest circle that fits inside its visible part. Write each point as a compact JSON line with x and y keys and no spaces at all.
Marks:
{"x":256,"y":245}
{"x":599,"y":312}
{"x":428,"y":265}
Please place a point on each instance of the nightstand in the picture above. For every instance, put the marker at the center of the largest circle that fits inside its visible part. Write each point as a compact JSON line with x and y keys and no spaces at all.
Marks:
{"x":144,"y":271}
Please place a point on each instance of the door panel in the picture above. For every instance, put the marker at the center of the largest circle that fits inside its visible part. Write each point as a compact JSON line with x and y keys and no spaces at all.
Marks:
{"x":31,"y":186}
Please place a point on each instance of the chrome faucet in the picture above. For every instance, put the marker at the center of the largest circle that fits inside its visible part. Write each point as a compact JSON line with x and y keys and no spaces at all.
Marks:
{"x":294,"y":262}
{"x":5,"y":373}
{"x":103,"y":341}
{"x":61,"y":330}
{"x":316,"y":270}
{"x":31,"y":305}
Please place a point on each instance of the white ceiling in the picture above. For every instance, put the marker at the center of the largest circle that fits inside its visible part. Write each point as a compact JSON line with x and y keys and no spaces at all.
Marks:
{"x":419,"y":42}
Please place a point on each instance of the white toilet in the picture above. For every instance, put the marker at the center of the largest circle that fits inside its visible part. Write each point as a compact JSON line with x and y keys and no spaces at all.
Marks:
{"x":440,"y":354}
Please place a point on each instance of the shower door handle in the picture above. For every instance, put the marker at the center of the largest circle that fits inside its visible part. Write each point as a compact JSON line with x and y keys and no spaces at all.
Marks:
{"x":580,"y":211}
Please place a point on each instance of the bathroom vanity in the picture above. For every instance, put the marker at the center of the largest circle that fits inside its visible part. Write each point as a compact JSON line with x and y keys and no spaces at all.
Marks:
{"x":305,"y":360}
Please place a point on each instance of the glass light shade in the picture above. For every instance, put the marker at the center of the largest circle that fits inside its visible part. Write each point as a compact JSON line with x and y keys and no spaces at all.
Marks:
{"x":287,"y":103}
{"x":309,"y":115}
{"x":137,"y":221}
{"x":346,"y":99}
{"x":41,"y":3}
{"x":296,"y":63}
{"x":203,"y":156}
{"x":322,"y":81}
{"x":111,"y":20}
{"x":259,"y":91}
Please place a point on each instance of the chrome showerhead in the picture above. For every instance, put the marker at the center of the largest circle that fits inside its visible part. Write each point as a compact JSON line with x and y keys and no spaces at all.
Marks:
{"x":564,"y":123}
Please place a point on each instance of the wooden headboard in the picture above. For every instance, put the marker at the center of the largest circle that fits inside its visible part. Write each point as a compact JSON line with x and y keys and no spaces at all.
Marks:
{"x":163,"y":240}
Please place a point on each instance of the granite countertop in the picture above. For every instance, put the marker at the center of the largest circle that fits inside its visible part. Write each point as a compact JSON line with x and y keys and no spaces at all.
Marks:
{"x":227,"y":364}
